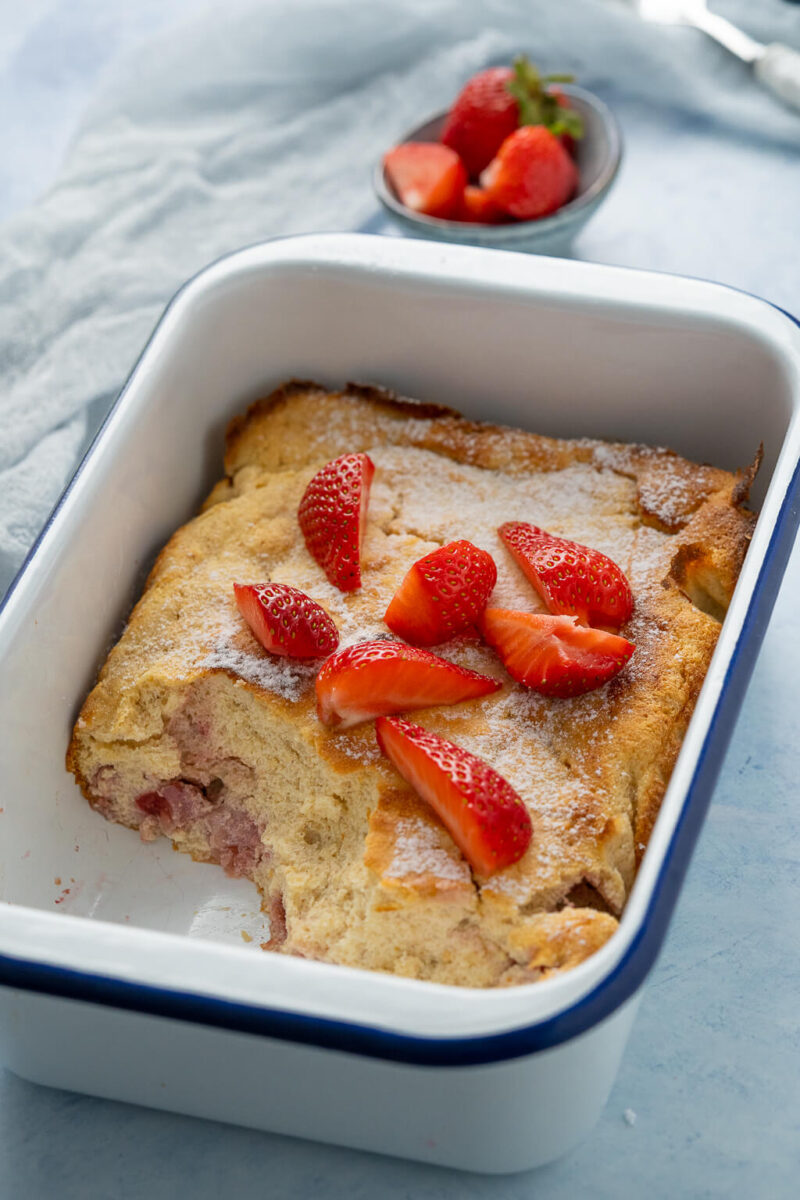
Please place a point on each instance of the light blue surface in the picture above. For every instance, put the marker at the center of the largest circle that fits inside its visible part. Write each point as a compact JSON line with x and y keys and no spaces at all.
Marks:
{"x":712,"y":1071}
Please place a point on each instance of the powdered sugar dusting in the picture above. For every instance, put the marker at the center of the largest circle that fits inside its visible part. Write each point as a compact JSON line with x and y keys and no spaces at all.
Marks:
{"x":419,"y":500}
{"x":360,"y":746}
{"x":452,"y":500}
{"x":612,"y":457}
{"x":286,"y":677}
{"x":650,"y":560}
{"x":575,"y":763}
{"x":418,"y":850}
{"x":670,"y":493}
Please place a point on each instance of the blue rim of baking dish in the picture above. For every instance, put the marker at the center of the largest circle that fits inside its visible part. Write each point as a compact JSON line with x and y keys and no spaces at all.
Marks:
{"x":622,"y":982}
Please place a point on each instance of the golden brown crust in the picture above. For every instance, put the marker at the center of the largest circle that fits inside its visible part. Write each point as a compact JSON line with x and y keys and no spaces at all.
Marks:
{"x":399,"y":406}
{"x":364,"y":871}
{"x":244,"y":428}
{"x":291,"y":427}
{"x":558,"y":941}
{"x":239,"y":425}
{"x":745,"y":479}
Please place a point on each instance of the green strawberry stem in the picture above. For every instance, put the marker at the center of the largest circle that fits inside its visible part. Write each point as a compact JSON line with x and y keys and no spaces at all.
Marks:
{"x":540,"y":106}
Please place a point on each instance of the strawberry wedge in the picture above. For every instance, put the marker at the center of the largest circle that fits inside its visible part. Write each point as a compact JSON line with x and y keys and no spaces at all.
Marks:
{"x":442,"y":595}
{"x":554,"y":655}
{"x":571,"y":579}
{"x":372,"y":679}
{"x":333,"y":516}
{"x":483,"y":814}
{"x":427,"y":177}
{"x":285,"y":620}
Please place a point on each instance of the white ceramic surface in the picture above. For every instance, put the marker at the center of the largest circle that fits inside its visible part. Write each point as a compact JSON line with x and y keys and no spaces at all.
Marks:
{"x":487,"y":1118}
{"x":564,"y":348}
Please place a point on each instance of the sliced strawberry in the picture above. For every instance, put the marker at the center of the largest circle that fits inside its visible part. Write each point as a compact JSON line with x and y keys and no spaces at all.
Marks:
{"x":483,"y":814}
{"x":443,"y":594}
{"x":427,"y":177}
{"x":286,"y":620}
{"x":333,"y":516}
{"x":371,"y":679}
{"x":554,"y":655}
{"x":478,"y":208}
{"x":569,"y":577}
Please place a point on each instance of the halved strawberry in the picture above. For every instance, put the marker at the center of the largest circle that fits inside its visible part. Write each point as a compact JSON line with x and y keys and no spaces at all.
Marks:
{"x":285,"y":620}
{"x":483,"y":814}
{"x":428,"y":178}
{"x":569,"y":577}
{"x":443,"y":594}
{"x":371,"y":679}
{"x":554,"y":655}
{"x":333,"y":516}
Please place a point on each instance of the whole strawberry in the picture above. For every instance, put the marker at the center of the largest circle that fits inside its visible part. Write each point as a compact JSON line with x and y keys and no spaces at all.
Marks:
{"x":495,"y":102}
{"x":532,"y":174}
{"x":541,"y":102}
{"x":481,"y":119}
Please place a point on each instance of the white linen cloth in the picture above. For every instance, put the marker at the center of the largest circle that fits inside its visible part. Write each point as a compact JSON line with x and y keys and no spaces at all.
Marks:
{"x":260,"y":119}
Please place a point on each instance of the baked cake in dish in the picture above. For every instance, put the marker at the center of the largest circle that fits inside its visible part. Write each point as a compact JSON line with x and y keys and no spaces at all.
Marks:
{"x":196,"y":733}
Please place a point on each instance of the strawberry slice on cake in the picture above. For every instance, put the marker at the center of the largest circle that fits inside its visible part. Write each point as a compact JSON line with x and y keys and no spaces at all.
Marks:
{"x":285,"y":620}
{"x":333,"y":515}
{"x":443,"y":594}
{"x":554,"y":655}
{"x":480,"y":810}
{"x":571,"y":578}
{"x":373,"y":679}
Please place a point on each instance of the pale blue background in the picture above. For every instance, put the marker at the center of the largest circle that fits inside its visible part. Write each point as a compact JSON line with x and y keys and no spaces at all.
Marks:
{"x":712,"y":1071}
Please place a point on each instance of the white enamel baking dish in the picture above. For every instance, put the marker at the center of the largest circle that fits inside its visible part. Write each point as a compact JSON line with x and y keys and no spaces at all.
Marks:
{"x":125,"y":968}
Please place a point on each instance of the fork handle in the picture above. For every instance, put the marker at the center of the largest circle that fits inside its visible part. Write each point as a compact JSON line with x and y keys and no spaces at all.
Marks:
{"x":778,"y":68}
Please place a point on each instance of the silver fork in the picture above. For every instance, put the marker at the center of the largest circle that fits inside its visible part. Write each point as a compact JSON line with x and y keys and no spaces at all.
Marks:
{"x":776,"y":66}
